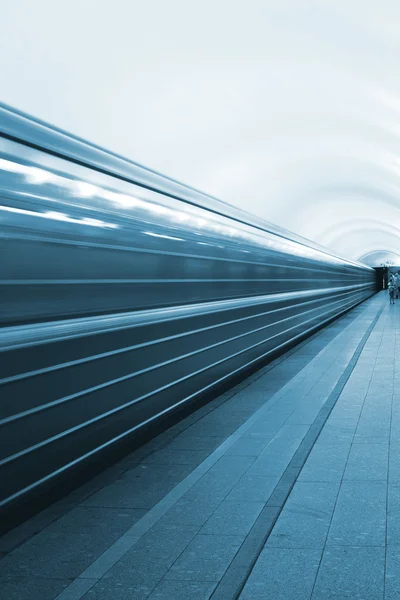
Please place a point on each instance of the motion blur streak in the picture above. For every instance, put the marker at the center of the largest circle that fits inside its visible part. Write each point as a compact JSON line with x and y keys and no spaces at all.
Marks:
{"x":113,"y":314}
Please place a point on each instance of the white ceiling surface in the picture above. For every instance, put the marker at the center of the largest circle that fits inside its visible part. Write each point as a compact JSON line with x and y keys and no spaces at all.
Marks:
{"x":287,"y":108}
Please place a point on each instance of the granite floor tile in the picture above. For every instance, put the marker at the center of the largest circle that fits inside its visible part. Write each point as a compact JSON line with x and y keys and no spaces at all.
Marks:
{"x":161,"y":546}
{"x":351,"y":396}
{"x":367,"y":462}
{"x":142,"y":474}
{"x":377,"y":410}
{"x":266,"y":430}
{"x":274,"y":459}
{"x":248,"y":446}
{"x":360,"y":515}
{"x":123,"y":494}
{"x":395,"y":430}
{"x":232,"y":518}
{"x":138,"y":572}
{"x":306,"y":516}
{"x":282,"y":574}
{"x":342,"y":425}
{"x":191,"y":510}
{"x":209,"y":489}
{"x":325,"y":463}
{"x":134,"y":584}
{"x":197,"y":443}
{"x":330,"y":436}
{"x":376,"y":414}
{"x":97,"y":522}
{"x":373,"y":428}
{"x":171,"y":456}
{"x":16,"y":537}
{"x":347,"y":411}
{"x":306,"y":415}
{"x":253,"y":487}
{"x":392,"y":575}
{"x":53,"y":556}
{"x":393,"y":515}
{"x":292,"y":431}
{"x":394,"y":460}
{"x":206,"y":558}
{"x":376,"y":437}
{"x":351,"y":572}
{"x":141,"y":487}
{"x":215,"y":426}
{"x":231,"y":467}
{"x":31,"y":588}
{"x":182,"y":590}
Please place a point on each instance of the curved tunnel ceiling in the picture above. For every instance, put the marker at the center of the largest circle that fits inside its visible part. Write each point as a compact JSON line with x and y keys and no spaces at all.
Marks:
{"x":287,"y":108}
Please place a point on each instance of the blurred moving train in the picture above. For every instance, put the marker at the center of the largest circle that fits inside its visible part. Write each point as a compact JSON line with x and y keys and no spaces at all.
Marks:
{"x":125,"y":294}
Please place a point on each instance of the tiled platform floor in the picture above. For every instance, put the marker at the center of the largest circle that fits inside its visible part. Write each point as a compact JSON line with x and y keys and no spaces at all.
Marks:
{"x":287,"y":486}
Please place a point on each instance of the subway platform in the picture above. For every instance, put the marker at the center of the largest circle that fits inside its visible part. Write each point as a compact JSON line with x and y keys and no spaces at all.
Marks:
{"x":285,"y":487}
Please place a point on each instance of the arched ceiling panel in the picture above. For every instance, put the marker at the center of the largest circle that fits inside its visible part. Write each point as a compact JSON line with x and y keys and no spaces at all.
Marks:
{"x":288,"y":108}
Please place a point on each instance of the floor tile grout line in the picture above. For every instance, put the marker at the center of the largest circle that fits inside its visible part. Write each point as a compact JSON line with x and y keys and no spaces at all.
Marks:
{"x":350,"y":368}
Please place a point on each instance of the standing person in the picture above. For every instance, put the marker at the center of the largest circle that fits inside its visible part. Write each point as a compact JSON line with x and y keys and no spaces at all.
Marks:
{"x":395,"y":283}
{"x":391,"y":291}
